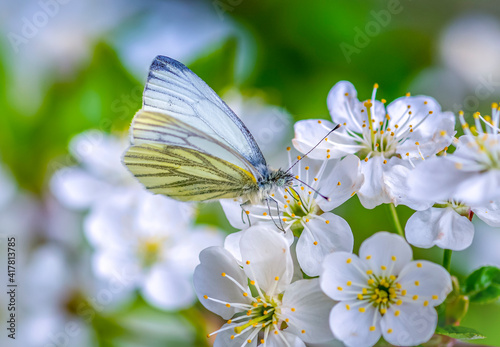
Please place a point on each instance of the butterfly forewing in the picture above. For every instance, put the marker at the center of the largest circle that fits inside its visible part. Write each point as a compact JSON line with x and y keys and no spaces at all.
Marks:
{"x":175,"y":90}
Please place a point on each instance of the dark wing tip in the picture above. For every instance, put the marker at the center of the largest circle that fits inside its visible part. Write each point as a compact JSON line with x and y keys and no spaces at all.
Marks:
{"x":163,"y":63}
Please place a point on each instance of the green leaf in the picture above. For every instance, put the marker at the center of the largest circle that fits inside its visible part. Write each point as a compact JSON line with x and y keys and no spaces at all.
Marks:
{"x":461,"y":333}
{"x":483,"y":285}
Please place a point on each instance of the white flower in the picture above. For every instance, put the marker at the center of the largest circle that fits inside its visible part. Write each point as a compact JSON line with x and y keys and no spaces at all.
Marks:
{"x":99,"y":175}
{"x":258,"y":298}
{"x":148,"y":240}
{"x":388,"y":140}
{"x":302,"y":211}
{"x":471,"y":174}
{"x":447,"y":225}
{"x":383,"y":293}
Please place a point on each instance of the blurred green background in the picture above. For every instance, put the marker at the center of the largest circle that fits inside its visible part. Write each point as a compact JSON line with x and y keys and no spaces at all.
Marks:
{"x":85,"y":67}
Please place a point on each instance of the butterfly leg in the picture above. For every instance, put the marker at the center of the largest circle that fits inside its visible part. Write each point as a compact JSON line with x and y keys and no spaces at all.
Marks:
{"x":280,"y":227}
{"x":244,"y":213}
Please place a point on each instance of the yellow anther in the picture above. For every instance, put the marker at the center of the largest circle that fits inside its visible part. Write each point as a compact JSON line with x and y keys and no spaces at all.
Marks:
{"x":245,"y":294}
{"x":419,"y":264}
{"x":307,"y":220}
{"x":348,"y":260}
{"x":399,"y":302}
{"x":252,"y":283}
{"x":389,"y":331}
{"x":339,"y":288}
{"x":392,"y":277}
{"x":346,"y":94}
{"x":248,"y":262}
{"x":315,"y":243}
{"x":375,"y":85}
{"x":393,"y":258}
{"x":303,"y":331}
{"x":426,"y":303}
{"x":398,"y":285}
{"x":276,"y":278}
{"x":361,"y":309}
{"x":319,"y":122}
{"x":383,"y":101}
{"x":370,"y":281}
{"x":417,"y":283}
{"x":408,"y":94}
{"x":366,"y":159}
{"x":415,"y":297}
{"x":397,"y":313}
{"x":338,"y":183}
{"x":434,"y":297}
{"x":418,"y":144}
{"x":347,"y":307}
{"x":232,"y":337}
{"x":431,"y":112}
{"x":368,"y":257}
{"x":349,"y":283}
{"x":360,"y":297}
{"x":307,"y":168}
{"x":228,"y":305}
{"x":383,"y":268}
{"x":292,"y":309}
{"x":223,"y":274}
{"x":364,"y":290}
{"x":299,"y":157}
{"x":369,"y":272}
{"x":372,"y":328}
{"x":383,"y":310}
{"x":247,"y":212}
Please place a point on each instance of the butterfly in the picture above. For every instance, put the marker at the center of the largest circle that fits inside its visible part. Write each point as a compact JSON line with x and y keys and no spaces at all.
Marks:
{"x":186,"y":143}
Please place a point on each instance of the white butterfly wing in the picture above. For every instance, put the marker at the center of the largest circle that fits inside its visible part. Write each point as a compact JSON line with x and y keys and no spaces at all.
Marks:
{"x":175,"y":90}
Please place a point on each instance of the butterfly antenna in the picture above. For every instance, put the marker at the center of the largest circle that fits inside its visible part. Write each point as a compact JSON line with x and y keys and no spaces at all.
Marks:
{"x":307,"y":185}
{"x":312,"y":149}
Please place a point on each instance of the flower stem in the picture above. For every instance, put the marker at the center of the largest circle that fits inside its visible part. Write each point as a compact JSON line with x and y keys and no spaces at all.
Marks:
{"x":447,"y":259}
{"x":395,"y":218}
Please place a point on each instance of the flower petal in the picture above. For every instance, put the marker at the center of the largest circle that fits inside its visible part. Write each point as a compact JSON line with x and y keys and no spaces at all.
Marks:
{"x":435,"y":179}
{"x":224,"y":339}
{"x":320,"y":239}
{"x":372,"y":192}
{"x":413,"y":325}
{"x":342,"y":183}
{"x":431,"y":282}
{"x":340,"y":269}
{"x":490,"y":215}
{"x":275,"y":340}
{"x":208,"y":280}
{"x":266,"y":258}
{"x":442,"y":227}
{"x":168,"y":289}
{"x":385,"y":249}
{"x":311,"y":307}
{"x":396,"y":181}
{"x":308,"y":134}
{"x":353,"y":327}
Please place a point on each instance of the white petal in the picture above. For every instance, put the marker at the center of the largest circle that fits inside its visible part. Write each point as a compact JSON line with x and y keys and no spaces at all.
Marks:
{"x":379,"y":250}
{"x":442,"y":227}
{"x":480,"y":189}
{"x":224,"y":339}
{"x":332,"y":237}
{"x":339,"y":269}
{"x":275,"y":340}
{"x":208,"y":280}
{"x":420,"y":107}
{"x":232,"y":244}
{"x":76,"y":188}
{"x":308,"y":135}
{"x":234,"y":213}
{"x":490,"y":216}
{"x":432,"y":279}
{"x":266,"y":258}
{"x":120,"y":266}
{"x":185,"y":253}
{"x":372,"y":192}
{"x":312,"y":308}
{"x":348,"y":173}
{"x":414,"y":325}
{"x":353,"y":327}
{"x":347,"y":108}
{"x":435,"y":179}
{"x":168,"y":289}
{"x":396,"y":181}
